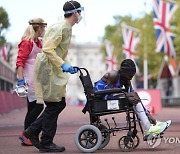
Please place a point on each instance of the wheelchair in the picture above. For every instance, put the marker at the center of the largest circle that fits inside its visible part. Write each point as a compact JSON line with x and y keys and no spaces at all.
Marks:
{"x":96,"y":135}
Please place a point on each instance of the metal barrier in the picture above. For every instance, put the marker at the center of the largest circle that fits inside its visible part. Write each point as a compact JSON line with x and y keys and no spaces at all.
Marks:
{"x":170,"y":101}
{"x":9,"y":102}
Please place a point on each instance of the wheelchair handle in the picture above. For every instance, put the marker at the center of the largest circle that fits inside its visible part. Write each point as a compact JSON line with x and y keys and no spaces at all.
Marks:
{"x":80,"y":70}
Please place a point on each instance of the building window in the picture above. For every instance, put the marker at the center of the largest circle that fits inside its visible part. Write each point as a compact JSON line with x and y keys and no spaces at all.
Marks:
{"x":5,"y":85}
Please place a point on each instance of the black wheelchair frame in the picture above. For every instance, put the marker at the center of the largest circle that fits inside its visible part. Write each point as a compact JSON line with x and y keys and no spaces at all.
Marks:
{"x":90,"y":138}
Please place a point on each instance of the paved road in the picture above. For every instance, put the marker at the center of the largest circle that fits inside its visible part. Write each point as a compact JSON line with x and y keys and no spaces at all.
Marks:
{"x":72,"y":118}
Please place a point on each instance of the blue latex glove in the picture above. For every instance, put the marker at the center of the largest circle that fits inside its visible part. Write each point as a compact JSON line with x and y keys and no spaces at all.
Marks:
{"x":69,"y":68}
{"x":73,"y":70}
{"x":21,"y":82}
{"x":66,"y":67}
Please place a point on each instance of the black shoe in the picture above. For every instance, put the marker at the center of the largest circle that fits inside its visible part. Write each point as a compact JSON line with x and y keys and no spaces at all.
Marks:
{"x":34,"y":138}
{"x":51,"y":148}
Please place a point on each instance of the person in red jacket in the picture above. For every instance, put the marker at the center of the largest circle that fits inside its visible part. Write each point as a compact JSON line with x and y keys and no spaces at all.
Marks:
{"x":28,"y":48}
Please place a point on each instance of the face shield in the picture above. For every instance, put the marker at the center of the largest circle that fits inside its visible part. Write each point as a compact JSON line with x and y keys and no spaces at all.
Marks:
{"x":42,"y":25}
{"x":78,"y":10}
{"x":21,"y":91}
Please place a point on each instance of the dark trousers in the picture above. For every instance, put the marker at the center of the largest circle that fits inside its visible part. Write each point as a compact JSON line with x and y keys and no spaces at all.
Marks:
{"x":33,"y":111}
{"x":47,"y":122}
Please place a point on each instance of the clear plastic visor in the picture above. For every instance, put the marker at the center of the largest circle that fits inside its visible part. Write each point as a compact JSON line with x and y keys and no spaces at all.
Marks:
{"x":74,"y":10}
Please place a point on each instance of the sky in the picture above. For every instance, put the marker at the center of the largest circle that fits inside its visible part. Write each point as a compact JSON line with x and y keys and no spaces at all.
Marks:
{"x":97,"y":15}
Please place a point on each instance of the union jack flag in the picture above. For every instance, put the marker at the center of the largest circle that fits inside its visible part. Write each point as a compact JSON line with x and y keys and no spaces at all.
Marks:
{"x":5,"y":51}
{"x":163,"y":12}
{"x":130,"y":41}
{"x":111,"y":58}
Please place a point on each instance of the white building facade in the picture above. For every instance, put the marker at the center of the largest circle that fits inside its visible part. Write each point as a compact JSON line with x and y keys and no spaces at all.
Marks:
{"x":84,"y":56}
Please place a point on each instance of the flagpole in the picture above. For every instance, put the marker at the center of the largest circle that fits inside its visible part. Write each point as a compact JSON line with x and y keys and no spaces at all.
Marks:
{"x":145,"y":72}
{"x":145,"y":62}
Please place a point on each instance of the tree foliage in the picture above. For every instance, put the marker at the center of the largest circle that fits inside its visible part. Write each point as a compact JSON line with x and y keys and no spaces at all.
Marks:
{"x":146,"y":47}
{"x":176,"y":23}
{"x":4,"y":24}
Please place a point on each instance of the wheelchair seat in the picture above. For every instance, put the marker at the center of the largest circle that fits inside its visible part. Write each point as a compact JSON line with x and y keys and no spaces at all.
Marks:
{"x":95,"y":99}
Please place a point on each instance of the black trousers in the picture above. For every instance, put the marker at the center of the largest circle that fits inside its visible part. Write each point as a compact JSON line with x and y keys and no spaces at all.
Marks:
{"x":47,"y":122}
{"x":33,"y":111}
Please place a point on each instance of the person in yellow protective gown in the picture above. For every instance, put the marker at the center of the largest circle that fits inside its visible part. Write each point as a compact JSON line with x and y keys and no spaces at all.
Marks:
{"x":51,"y":77}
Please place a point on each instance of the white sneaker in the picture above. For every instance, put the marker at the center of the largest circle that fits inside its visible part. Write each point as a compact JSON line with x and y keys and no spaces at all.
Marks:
{"x":168,"y":123}
{"x":156,"y":130}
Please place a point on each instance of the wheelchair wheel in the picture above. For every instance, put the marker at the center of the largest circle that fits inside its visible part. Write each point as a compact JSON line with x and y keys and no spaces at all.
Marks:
{"x":88,"y":138}
{"x":105,"y":136}
{"x":136,"y":141}
{"x":126,"y":143}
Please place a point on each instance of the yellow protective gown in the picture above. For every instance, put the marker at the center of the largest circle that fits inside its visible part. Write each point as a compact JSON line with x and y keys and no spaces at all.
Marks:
{"x":50,"y":80}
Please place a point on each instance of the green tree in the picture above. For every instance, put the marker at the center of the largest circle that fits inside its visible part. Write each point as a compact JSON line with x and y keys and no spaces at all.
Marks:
{"x":4,"y":24}
{"x":146,"y":47}
{"x":176,"y":24}
{"x":113,"y":33}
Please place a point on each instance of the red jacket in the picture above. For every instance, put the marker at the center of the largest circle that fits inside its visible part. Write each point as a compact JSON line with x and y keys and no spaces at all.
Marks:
{"x":25,"y":48}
